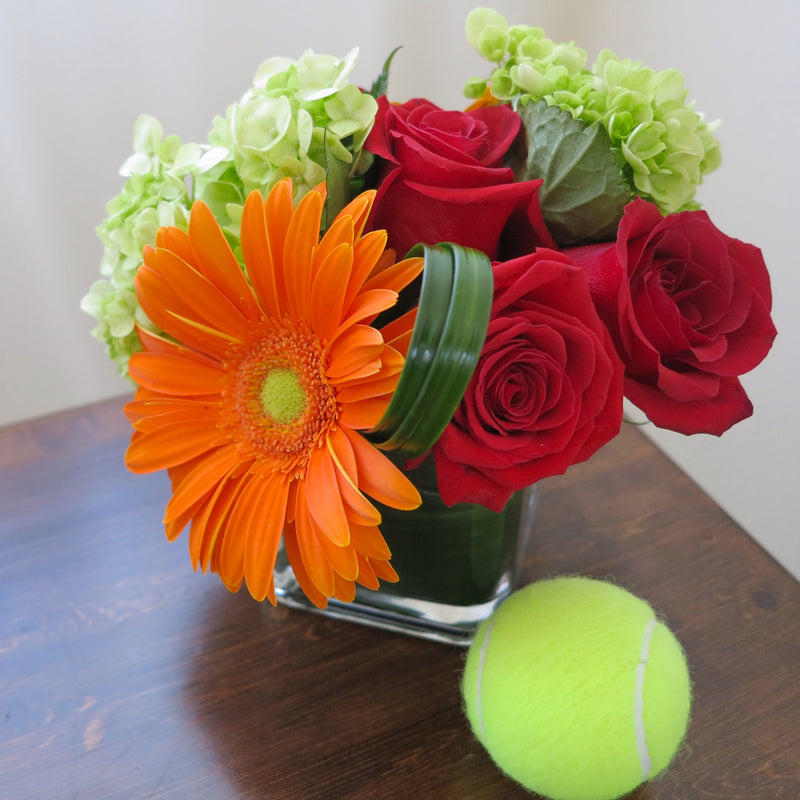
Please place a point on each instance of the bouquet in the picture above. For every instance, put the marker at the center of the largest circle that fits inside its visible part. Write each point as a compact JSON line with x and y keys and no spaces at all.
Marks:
{"x":336,"y":277}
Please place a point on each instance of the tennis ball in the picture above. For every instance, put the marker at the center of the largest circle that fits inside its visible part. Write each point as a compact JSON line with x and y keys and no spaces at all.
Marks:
{"x":577,"y":690}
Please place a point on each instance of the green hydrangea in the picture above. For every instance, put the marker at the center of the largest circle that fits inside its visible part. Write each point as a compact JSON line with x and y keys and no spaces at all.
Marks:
{"x":301,"y":119}
{"x":665,"y":146}
{"x":155,"y":194}
{"x":528,"y":63}
{"x":117,"y":310}
{"x":668,"y":146}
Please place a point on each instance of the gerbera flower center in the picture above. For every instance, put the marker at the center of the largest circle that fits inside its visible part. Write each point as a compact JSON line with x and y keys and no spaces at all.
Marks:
{"x":282,"y":396}
{"x":279,"y":402}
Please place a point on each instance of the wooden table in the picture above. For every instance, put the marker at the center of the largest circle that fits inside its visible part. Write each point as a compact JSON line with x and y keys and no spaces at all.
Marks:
{"x":124,"y":675}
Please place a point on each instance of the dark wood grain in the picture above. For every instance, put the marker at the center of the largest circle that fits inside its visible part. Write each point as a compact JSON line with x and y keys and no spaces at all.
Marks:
{"x":124,"y":675}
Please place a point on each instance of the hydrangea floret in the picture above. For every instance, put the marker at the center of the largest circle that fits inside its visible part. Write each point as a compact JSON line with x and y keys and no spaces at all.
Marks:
{"x":665,"y":146}
{"x":300,"y":119}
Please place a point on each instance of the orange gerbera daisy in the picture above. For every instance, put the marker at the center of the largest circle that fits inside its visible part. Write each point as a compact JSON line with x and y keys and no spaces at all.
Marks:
{"x":254,"y":400}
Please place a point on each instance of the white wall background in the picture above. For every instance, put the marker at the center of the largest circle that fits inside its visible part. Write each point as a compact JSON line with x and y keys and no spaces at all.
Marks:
{"x":74,"y":76}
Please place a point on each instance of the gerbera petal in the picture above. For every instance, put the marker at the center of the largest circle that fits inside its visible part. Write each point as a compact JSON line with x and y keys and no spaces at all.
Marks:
{"x":322,"y":190}
{"x":174,"y":527}
{"x":149,"y":415}
{"x":146,"y":403}
{"x":375,"y":386}
{"x":354,"y":389}
{"x":314,"y":559}
{"x":181,"y":471}
{"x":175,"y":240}
{"x":291,"y":503}
{"x":216,"y":337}
{"x":358,"y":509}
{"x":369,"y":541}
{"x":397,"y":276}
{"x":170,"y":444}
{"x":200,"y":294}
{"x":344,"y":591}
{"x":359,"y":209}
{"x":264,"y":529}
{"x":342,"y":560}
{"x":215,"y":529}
{"x":174,"y":375}
{"x":381,"y":479}
{"x":295,"y":557}
{"x":342,"y":454}
{"x":154,"y":291}
{"x":234,"y":543}
{"x":397,"y":333}
{"x":367,"y":306}
{"x":365,"y":413}
{"x":392,"y":360}
{"x":165,"y":312}
{"x":201,"y":480}
{"x":302,"y":237}
{"x":326,"y":507}
{"x":367,"y":252}
{"x":258,"y":255}
{"x":385,"y":571}
{"x":370,"y":250}
{"x":155,"y":343}
{"x":200,"y":530}
{"x":231,"y":586}
{"x":214,"y":258}
{"x":278,"y":211}
{"x":340,"y":232}
{"x":388,"y":257}
{"x":328,"y":290}
{"x":355,"y":349}
{"x":366,"y":575}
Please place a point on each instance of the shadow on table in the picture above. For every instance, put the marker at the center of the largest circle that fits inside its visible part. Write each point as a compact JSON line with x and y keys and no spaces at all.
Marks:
{"x":295,"y":705}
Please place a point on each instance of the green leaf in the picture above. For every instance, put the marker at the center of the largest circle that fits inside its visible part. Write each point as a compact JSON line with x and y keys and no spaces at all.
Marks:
{"x":452,"y":319}
{"x":382,"y":81}
{"x":337,"y":178}
{"x":584,"y":191}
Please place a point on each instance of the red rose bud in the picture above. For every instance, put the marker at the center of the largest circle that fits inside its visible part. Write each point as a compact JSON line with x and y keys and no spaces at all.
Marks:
{"x":547,"y":390}
{"x":443,"y":178}
{"x":689,"y":311}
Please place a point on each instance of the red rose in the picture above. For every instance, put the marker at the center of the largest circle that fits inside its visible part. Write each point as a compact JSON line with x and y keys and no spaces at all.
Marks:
{"x":689,"y":311}
{"x":443,"y":179}
{"x":547,"y":390}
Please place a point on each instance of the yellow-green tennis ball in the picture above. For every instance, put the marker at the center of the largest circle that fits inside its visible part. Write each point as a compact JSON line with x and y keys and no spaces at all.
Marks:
{"x":577,"y":690}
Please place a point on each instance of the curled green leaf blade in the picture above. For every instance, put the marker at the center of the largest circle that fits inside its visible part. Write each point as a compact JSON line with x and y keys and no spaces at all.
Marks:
{"x":457,"y":354}
{"x":434,"y":302}
{"x":453,"y":315}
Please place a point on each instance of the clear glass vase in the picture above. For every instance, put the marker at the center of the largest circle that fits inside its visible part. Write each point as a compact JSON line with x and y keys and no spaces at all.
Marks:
{"x":456,"y":564}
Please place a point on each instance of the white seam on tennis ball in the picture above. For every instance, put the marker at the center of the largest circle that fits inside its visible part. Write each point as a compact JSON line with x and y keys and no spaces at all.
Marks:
{"x":481,"y":659}
{"x":638,"y":701}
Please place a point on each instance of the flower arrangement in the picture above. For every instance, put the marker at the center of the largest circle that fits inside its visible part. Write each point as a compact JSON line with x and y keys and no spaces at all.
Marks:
{"x":336,"y":277}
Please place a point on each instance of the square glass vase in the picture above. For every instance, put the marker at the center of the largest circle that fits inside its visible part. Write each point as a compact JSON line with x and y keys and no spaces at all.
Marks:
{"x":456,"y":565}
